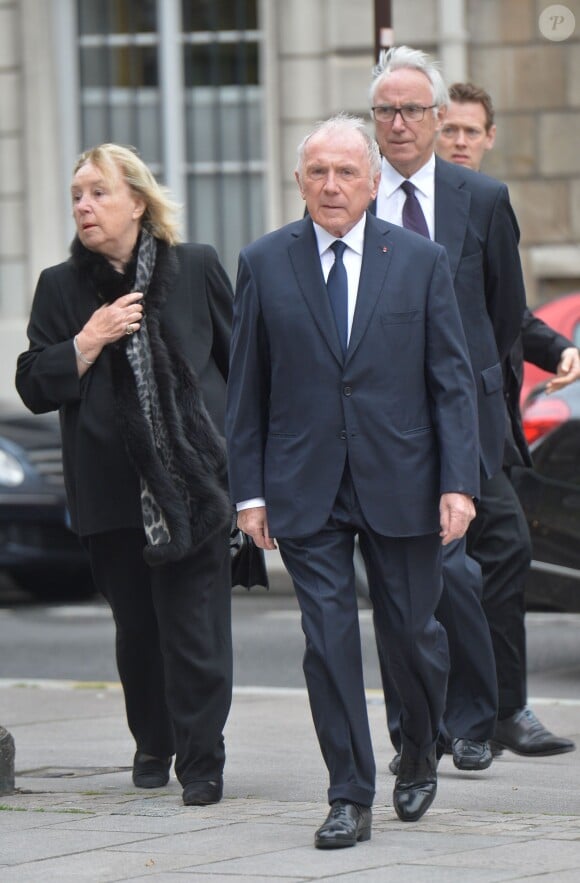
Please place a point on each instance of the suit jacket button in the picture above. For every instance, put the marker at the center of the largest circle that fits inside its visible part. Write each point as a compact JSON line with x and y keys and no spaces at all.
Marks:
{"x":343,"y":435}
{"x":347,"y":390}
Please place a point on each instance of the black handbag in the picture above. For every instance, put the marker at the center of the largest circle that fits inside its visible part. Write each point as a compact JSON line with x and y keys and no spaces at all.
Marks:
{"x":248,"y":561}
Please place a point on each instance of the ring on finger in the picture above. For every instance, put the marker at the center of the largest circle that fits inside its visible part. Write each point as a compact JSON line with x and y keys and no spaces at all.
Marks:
{"x":129,"y":329}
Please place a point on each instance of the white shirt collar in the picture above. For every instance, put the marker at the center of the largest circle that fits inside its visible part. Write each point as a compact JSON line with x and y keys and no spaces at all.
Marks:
{"x":423,"y":179}
{"x":354,"y":238}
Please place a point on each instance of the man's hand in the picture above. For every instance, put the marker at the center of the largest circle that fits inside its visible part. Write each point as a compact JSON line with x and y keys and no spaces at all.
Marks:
{"x":568,"y":370}
{"x":456,"y":512}
{"x":254,"y":522}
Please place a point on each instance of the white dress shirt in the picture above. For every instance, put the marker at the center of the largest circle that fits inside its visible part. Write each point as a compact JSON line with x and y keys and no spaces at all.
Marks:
{"x":390,"y":198}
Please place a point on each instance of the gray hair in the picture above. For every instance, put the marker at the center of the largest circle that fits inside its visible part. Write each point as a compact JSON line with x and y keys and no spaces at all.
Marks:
{"x":401,"y":57}
{"x":346,"y":123}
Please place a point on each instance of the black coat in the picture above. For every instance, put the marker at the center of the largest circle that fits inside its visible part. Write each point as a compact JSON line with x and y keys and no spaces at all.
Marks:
{"x":102,"y":484}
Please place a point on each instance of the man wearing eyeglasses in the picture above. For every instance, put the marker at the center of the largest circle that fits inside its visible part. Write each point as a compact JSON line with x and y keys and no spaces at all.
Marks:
{"x":467,"y":134}
{"x":470,"y":214}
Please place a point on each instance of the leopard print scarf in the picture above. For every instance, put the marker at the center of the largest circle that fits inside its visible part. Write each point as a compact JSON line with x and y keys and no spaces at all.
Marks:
{"x":141,"y":361}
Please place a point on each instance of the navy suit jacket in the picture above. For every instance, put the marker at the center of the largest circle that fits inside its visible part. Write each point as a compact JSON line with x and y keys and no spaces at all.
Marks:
{"x":475,"y":223}
{"x":401,"y":405}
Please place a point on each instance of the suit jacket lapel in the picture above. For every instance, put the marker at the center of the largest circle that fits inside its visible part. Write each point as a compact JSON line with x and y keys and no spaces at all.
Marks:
{"x":303,"y":252}
{"x":375,"y":263}
{"x":452,"y":202}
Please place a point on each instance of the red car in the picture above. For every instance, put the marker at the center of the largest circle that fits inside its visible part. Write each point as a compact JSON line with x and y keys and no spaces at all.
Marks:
{"x":563,"y":315}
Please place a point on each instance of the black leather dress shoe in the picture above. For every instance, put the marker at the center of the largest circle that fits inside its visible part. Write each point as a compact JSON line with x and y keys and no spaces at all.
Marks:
{"x":441,"y":748}
{"x":149,"y":771}
{"x":345,"y":825}
{"x":203,"y":793}
{"x":415,"y":787}
{"x":524,"y":734}
{"x":471,"y":755}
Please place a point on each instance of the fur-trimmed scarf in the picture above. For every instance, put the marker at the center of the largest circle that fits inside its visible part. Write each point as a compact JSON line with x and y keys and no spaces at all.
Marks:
{"x":174,"y":446}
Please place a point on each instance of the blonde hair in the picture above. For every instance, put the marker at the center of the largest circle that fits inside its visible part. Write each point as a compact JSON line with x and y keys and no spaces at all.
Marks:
{"x":160,"y":216}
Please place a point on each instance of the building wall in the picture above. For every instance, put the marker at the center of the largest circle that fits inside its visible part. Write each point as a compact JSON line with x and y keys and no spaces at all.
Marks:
{"x":13,"y":259}
{"x":535,"y":85}
{"x":322,"y":58}
{"x":324,"y":53}
{"x":33,"y":209}
{"x":317,"y":59}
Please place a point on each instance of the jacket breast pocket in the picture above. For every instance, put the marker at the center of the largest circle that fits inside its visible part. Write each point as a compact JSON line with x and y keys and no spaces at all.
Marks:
{"x":400,"y":318}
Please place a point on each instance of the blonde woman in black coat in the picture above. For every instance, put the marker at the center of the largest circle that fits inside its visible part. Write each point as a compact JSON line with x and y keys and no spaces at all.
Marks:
{"x":129,"y":340}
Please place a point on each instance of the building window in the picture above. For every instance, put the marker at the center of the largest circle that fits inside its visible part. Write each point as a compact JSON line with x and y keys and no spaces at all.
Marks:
{"x":119,"y":73}
{"x":198,"y":122}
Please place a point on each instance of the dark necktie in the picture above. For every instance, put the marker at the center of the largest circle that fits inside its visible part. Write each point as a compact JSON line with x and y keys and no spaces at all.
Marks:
{"x":337,"y":284}
{"x":413,"y":217}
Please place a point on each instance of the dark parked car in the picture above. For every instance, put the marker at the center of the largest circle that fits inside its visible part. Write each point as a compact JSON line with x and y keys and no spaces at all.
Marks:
{"x":550,"y":496}
{"x":37,"y":548}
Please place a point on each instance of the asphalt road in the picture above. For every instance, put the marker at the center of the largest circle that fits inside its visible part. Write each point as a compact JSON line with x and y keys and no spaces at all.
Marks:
{"x":76,"y":641}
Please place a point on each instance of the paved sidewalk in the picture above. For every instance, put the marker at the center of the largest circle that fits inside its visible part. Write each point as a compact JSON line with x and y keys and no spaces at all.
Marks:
{"x":75,"y":815}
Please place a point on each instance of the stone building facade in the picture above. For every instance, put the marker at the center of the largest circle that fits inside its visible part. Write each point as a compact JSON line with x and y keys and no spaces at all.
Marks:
{"x":315,"y":58}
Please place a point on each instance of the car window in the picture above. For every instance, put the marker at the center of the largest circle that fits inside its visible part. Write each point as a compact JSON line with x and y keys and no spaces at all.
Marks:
{"x":558,"y":457}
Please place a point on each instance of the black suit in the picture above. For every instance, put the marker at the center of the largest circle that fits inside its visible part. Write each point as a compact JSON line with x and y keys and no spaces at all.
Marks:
{"x":476,"y":225}
{"x":365,"y":443}
{"x":498,"y":538}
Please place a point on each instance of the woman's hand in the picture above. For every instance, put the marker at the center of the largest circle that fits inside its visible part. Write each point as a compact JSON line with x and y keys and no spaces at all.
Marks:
{"x":112,"y":321}
{"x":108,"y":324}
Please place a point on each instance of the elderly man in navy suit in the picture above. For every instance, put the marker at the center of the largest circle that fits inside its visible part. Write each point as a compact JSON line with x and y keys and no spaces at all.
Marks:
{"x":471,"y":216}
{"x":351,"y":410}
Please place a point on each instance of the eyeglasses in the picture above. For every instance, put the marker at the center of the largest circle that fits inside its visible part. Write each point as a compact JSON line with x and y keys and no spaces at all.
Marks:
{"x":410,"y":113}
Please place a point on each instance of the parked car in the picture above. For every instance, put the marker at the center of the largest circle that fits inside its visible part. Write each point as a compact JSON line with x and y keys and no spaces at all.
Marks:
{"x":550,"y":497}
{"x":37,"y":547}
{"x":563,"y":315}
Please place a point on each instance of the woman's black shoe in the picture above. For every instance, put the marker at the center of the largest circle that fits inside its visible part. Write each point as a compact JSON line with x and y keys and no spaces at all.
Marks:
{"x":203,"y":793}
{"x":150,"y":772}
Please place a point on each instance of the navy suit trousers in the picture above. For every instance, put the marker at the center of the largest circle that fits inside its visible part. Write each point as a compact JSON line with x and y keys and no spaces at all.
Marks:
{"x":405,"y":584}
